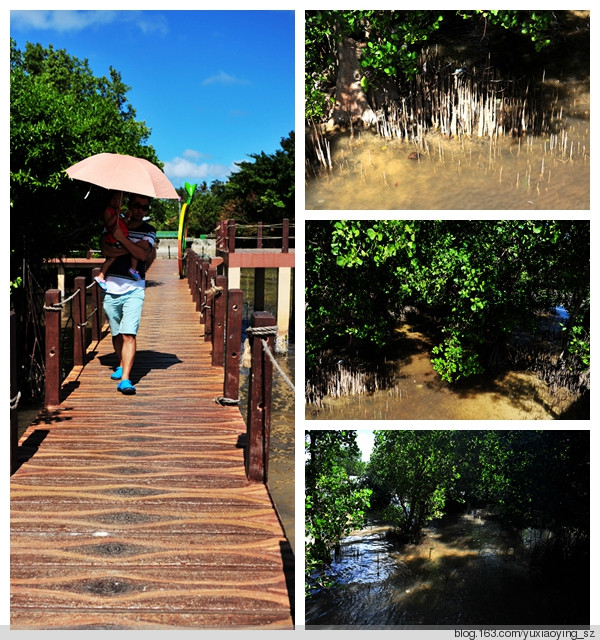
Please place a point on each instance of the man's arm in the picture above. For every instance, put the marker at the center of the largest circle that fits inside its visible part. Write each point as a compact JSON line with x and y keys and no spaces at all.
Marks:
{"x":140,"y":250}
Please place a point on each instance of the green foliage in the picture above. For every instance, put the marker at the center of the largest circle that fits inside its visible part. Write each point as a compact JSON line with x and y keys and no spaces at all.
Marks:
{"x":454,"y":361}
{"x":61,"y":113}
{"x":264,"y":189}
{"x":392,"y":40}
{"x":485,"y":278}
{"x":537,"y":479}
{"x":334,"y":502}
{"x":537,"y":25}
{"x":418,"y":469}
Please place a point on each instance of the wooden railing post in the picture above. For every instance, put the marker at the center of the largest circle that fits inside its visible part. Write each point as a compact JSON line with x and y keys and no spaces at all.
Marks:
{"x":189,"y":269}
{"x":231,"y":236}
{"x":285,"y":240}
{"x":211,"y":274}
{"x":14,"y":394}
{"x":233,"y":344}
{"x":260,"y":383}
{"x":259,"y":234}
{"x":203,"y":281}
{"x":79,"y":320}
{"x":195,"y":276}
{"x":97,"y":306}
{"x":52,"y":353}
{"x":218,"y":322}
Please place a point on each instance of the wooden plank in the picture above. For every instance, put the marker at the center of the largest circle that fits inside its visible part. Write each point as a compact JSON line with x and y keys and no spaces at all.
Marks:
{"x":135,"y":512}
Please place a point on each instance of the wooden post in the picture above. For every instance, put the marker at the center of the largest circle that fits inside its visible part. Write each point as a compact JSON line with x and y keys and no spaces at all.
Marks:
{"x":231,"y":236}
{"x":260,"y":383}
{"x":189,"y":270}
{"x":203,"y":280}
{"x":52,"y":321}
{"x":195,"y":276}
{"x":97,"y":306}
{"x":285,"y":240}
{"x":259,"y":288}
{"x":233,"y":344}
{"x":218,"y":322}
{"x":14,"y":392}
{"x":79,"y":319}
{"x":259,"y":236}
{"x":211,"y":274}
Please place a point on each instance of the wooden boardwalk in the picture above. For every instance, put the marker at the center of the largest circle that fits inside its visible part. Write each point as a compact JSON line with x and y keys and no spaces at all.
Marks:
{"x":134,"y":512}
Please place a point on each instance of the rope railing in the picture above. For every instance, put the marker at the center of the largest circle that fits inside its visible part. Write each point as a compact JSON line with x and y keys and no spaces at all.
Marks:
{"x":53,"y":331}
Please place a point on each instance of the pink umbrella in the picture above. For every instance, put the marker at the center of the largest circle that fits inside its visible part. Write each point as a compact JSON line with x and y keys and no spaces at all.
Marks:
{"x":124,"y":173}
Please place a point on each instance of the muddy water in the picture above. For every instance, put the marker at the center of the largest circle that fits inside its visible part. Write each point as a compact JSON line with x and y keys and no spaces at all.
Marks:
{"x":420,"y":394}
{"x":466,"y":570}
{"x":530,"y":173}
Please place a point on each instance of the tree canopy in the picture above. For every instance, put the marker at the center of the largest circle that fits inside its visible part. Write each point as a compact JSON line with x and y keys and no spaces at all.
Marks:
{"x":61,"y":113}
{"x":334,"y":502}
{"x":482,"y":280}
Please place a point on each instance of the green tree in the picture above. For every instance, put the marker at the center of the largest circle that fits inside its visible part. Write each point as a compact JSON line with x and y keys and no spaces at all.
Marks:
{"x":349,"y":52}
{"x":61,"y":113}
{"x":263,"y":190}
{"x":484,"y":279}
{"x":418,"y":470}
{"x":334,"y":502}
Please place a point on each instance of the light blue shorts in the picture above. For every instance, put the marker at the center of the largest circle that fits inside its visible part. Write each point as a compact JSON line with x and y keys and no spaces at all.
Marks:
{"x":124,"y":311}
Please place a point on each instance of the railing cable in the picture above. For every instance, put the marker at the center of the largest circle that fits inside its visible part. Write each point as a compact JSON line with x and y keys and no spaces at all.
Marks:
{"x":269,"y":331}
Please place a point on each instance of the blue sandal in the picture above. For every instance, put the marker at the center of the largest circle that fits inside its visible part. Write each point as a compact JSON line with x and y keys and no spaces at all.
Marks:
{"x":101,"y":283}
{"x":117,"y":374}
{"x":126,"y":387}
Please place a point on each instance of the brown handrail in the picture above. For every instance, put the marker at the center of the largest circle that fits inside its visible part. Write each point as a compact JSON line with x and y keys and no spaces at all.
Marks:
{"x":227,"y":239}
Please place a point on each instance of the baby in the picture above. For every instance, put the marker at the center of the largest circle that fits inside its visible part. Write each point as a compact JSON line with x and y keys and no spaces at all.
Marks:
{"x":112,"y":220}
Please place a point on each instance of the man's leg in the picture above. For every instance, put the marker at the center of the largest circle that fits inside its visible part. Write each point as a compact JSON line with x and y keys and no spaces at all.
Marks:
{"x":128,"y":347}
{"x":132,"y":311}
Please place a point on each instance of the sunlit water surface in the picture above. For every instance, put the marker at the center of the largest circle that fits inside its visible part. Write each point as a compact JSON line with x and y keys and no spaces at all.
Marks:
{"x":466,"y":570}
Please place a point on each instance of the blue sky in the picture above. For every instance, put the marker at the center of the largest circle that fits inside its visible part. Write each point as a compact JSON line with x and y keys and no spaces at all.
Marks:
{"x":213,"y":86}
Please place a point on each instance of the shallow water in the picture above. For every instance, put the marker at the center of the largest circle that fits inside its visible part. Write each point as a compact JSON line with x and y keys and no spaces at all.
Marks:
{"x":420,"y":394}
{"x":528,"y":173}
{"x":466,"y":570}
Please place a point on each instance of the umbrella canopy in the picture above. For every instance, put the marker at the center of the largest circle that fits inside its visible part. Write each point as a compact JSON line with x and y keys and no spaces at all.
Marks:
{"x":124,"y":173}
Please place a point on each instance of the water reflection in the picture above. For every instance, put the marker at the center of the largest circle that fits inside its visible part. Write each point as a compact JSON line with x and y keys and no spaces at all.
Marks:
{"x":466,"y":570}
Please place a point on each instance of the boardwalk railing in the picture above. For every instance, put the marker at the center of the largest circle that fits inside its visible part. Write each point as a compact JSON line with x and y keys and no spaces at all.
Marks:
{"x":219,"y":310}
{"x":252,"y":236}
{"x":53,"y":315}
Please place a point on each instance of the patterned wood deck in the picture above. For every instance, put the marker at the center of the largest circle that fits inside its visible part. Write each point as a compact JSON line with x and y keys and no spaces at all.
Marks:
{"x":134,"y":511}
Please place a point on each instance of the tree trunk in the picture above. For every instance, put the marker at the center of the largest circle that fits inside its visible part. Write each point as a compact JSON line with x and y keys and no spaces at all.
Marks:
{"x":351,"y":104}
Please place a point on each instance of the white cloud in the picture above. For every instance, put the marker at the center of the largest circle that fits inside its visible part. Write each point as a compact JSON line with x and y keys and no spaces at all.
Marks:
{"x":78,"y":20}
{"x":224,"y":79}
{"x":67,"y":20}
{"x":182,"y":168}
